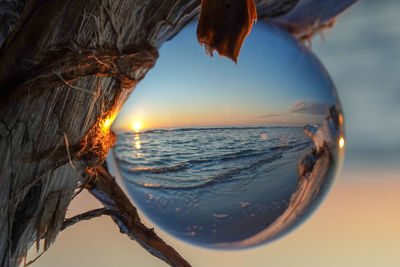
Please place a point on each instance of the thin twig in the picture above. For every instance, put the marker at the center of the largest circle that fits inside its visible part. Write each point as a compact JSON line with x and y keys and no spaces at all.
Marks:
{"x":83,"y":186}
{"x":34,"y":260}
{"x":101,"y":62}
{"x":67,"y":148}
{"x":89,"y":215}
{"x":78,"y":192}
{"x":73,"y":86}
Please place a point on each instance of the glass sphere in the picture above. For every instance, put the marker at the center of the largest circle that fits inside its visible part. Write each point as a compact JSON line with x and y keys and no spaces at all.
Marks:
{"x":231,"y":156}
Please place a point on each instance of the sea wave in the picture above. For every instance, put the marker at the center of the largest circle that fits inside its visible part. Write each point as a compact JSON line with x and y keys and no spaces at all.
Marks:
{"x":229,"y":156}
{"x":224,"y":177}
{"x":246,"y":153}
{"x":191,"y":158}
{"x":164,"y":169}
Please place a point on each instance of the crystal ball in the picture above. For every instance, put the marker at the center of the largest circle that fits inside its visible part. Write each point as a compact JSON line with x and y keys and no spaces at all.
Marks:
{"x":231,"y":156}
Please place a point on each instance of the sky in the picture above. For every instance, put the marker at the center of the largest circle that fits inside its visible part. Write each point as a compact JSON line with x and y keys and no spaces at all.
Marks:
{"x":358,"y":223}
{"x":276,"y":82}
{"x":362,"y":56}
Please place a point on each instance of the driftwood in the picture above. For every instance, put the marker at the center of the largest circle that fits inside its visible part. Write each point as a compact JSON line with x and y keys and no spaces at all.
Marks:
{"x":64,"y":73}
{"x":66,"y":68}
{"x":105,"y":189}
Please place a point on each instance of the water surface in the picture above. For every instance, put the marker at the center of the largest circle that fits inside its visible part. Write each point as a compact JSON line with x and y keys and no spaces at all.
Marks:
{"x":212,"y":185}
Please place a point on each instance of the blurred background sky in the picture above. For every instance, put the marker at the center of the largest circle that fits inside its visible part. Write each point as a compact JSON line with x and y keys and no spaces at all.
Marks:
{"x":358,"y":224}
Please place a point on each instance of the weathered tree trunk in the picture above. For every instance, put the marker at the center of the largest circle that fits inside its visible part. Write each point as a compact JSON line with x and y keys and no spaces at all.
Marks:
{"x":65,"y":71}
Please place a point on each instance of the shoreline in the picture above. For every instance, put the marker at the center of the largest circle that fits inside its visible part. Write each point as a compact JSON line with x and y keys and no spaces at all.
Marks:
{"x":316,"y":171}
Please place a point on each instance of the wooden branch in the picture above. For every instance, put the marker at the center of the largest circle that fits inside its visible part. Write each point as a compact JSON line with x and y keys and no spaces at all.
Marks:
{"x":125,"y":215}
{"x":88,"y":216}
{"x":63,"y":66}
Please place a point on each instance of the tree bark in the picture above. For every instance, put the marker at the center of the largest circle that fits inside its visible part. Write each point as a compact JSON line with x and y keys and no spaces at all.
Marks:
{"x":66,"y":69}
{"x":65,"y":72}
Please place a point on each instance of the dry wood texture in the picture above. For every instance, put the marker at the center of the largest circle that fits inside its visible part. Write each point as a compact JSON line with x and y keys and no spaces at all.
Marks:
{"x":66,"y":68}
{"x":65,"y":71}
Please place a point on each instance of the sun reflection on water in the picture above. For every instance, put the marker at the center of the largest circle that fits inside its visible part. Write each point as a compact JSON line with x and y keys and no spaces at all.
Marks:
{"x":137,"y":144}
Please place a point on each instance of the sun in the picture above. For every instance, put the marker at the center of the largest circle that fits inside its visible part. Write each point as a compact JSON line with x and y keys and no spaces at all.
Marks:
{"x":137,"y":126}
{"x":341,"y":142}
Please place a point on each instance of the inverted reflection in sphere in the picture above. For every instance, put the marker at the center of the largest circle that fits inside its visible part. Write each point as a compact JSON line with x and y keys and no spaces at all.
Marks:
{"x":231,"y":156}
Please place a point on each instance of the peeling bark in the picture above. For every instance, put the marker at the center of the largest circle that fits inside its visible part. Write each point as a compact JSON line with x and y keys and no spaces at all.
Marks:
{"x":223,"y":25}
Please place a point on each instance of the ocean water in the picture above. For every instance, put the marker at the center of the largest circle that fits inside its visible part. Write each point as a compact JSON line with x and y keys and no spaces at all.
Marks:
{"x":204,"y":184}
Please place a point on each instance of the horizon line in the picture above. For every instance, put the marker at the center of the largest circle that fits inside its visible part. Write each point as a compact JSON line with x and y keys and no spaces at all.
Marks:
{"x":211,"y":127}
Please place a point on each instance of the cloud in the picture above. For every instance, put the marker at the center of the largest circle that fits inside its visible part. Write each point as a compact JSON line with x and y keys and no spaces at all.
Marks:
{"x":309,"y":106}
{"x":272,"y":115}
{"x":304,"y":111}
